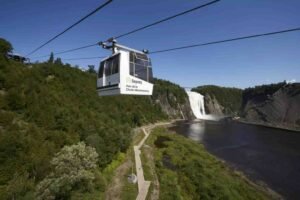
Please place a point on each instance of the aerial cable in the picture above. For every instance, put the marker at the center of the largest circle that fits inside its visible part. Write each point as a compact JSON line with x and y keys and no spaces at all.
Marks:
{"x":70,"y":50}
{"x":75,"y":49}
{"x":139,"y":29}
{"x":227,"y":40}
{"x":166,"y":19}
{"x":84,"y":58}
{"x":70,"y":27}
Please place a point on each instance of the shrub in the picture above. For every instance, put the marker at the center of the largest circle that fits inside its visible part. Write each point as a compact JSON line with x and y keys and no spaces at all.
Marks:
{"x":5,"y":47}
{"x":73,"y":168}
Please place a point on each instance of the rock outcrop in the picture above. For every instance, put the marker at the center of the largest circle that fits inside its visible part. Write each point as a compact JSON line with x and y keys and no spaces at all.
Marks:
{"x":279,"y":107}
{"x":212,"y":106}
{"x":172,"y":99}
{"x":177,"y":111}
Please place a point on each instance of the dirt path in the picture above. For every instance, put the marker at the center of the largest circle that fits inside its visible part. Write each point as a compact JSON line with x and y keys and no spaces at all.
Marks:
{"x":148,"y":152}
{"x":114,"y":190}
{"x":143,"y":185}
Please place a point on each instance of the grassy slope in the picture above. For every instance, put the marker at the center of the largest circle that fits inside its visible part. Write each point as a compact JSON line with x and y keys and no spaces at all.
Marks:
{"x":187,"y":171}
{"x":49,"y":106}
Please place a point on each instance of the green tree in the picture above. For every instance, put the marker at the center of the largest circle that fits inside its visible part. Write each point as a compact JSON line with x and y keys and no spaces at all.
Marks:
{"x":91,"y":69}
{"x":74,"y":168}
{"x":18,"y":186}
{"x":58,"y":61}
{"x":5,"y":47}
{"x":51,"y":58}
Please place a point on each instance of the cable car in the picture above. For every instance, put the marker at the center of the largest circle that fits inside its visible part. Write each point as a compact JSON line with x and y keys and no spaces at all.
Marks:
{"x":17,"y":57}
{"x":126,"y":72}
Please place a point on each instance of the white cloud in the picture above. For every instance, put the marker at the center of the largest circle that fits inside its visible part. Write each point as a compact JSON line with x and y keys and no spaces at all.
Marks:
{"x":291,"y":81}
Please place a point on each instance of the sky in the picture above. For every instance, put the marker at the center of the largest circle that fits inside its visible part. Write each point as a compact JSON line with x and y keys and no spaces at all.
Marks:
{"x":28,"y":24}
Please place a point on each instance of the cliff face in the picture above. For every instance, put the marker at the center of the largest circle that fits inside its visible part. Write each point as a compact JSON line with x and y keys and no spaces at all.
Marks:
{"x":221,"y":100}
{"x":277,"y":106}
{"x":172,"y":99}
{"x":212,"y":106}
{"x":177,"y":111}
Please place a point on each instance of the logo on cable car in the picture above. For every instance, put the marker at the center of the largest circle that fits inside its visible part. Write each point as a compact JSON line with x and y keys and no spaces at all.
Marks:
{"x":130,"y":80}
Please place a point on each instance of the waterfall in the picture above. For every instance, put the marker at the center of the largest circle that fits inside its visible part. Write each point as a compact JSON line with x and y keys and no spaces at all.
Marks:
{"x":197,"y":106}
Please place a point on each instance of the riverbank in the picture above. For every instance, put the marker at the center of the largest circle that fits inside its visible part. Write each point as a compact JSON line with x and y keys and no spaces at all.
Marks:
{"x":269,"y":125}
{"x":181,"y":168}
{"x":186,"y":170}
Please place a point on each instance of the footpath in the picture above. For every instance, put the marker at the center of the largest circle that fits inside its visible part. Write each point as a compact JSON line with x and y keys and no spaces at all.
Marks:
{"x":143,"y":185}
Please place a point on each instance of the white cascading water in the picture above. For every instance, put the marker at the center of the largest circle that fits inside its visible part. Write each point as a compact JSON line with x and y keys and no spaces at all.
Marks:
{"x":197,"y":105}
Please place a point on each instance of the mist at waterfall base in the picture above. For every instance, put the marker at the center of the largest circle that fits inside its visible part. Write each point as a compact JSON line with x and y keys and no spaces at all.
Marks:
{"x":198,"y":108}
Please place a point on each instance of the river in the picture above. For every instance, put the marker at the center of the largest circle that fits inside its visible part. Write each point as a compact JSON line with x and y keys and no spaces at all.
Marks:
{"x":267,"y":155}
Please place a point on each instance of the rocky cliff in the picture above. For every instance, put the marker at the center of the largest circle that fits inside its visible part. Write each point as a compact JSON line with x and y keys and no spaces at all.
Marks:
{"x":275,"y":105}
{"x":172,"y":99}
{"x":212,"y":106}
{"x":220,"y":100}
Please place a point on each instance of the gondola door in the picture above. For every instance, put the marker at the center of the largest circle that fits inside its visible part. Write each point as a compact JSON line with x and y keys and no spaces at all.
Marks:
{"x":112,"y":71}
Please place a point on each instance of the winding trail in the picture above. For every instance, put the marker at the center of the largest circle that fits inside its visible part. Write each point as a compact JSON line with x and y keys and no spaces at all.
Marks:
{"x":113,"y":191}
{"x":143,"y":185}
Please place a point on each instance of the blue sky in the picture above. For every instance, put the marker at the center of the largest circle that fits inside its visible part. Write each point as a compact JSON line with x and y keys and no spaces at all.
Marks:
{"x":27,"y":24}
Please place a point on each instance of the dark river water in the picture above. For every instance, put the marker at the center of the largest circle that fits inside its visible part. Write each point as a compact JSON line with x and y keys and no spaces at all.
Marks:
{"x":262,"y":154}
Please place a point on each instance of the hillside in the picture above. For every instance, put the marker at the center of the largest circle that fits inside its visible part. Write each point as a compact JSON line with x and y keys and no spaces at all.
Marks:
{"x":172,"y":99}
{"x":220,"y":100}
{"x":48,"y":106}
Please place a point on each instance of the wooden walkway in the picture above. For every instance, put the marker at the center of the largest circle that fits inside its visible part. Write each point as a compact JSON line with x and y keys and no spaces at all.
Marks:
{"x":143,"y":185}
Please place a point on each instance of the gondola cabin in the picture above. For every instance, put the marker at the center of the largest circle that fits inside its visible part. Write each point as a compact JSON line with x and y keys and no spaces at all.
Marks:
{"x":125,"y":72}
{"x":17,"y":57}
